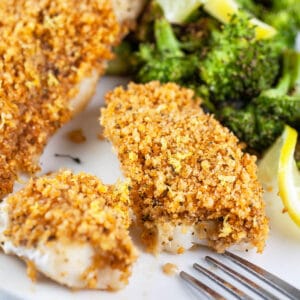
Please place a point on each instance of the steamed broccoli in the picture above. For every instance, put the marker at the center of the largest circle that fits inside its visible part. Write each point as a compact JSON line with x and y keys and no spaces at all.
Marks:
{"x":263,"y":120}
{"x":231,"y":66}
{"x":238,"y":66}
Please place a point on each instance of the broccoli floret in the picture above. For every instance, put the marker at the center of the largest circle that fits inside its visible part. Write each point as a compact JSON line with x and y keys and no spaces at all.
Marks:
{"x":238,"y":66}
{"x":165,"y":61}
{"x":283,"y":102}
{"x":263,"y":119}
{"x":257,"y":130}
{"x":170,"y":69}
{"x":195,"y":36}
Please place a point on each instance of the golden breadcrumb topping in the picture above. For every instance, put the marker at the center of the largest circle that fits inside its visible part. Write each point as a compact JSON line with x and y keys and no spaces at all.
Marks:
{"x":185,"y":167}
{"x":47,"y":48}
{"x":68,"y":207}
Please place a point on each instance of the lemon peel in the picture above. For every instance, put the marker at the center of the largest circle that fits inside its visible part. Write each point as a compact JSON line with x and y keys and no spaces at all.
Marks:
{"x":280,"y":176}
{"x":289,"y":176}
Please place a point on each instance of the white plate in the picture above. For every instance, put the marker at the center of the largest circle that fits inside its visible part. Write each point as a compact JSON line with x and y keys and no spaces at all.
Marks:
{"x":281,"y":256}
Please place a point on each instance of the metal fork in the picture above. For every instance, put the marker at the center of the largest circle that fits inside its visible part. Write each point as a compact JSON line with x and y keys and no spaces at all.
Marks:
{"x":274,"y":281}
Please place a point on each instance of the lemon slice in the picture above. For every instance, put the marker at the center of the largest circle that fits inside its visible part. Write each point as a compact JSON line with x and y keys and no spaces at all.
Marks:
{"x":289,"y":176}
{"x":278,"y":172}
{"x":178,"y":11}
{"x":221,"y":9}
{"x":224,"y":9}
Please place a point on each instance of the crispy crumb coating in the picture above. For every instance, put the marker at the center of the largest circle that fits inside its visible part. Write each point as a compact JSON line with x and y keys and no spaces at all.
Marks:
{"x":70,"y":208}
{"x":185,"y":167}
{"x":47,"y":48}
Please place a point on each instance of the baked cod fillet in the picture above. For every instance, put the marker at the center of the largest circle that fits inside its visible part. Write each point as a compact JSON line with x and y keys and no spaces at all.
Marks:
{"x":190,"y":180}
{"x":52,"y":53}
{"x":72,"y":228}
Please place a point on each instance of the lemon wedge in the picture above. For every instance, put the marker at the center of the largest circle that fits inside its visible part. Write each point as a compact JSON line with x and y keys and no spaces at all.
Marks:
{"x":178,"y":11}
{"x":222,"y":10}
{"x":279,"y":174}
{"x":289,"y":176}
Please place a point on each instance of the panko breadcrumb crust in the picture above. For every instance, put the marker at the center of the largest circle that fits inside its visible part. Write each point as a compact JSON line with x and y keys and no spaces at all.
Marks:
{"x":69,"y":208}
{"x":47,"y":47}
{"x":185,"y":167}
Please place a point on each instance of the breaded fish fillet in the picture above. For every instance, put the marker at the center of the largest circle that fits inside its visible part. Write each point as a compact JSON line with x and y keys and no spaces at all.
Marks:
{"x":190,"y":180}
{"x":72,"y":228}
{"x":52,"y":53}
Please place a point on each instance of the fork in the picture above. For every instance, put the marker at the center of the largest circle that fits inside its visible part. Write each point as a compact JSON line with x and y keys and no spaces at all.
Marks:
{"x":272,"y":280}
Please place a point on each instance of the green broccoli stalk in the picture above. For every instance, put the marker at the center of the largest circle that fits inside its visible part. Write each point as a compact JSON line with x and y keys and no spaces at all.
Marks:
{"x":263,"y":120}
{"x":164,"y":60}
{"x":166,"y":41}
{"x":238,"y":66}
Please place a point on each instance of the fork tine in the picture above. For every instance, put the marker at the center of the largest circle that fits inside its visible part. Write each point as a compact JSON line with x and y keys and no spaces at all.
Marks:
{"x":225,"y":284}
{"x":211,"y":294}
{"x":273,"y":280}
{"x":242,"y":279}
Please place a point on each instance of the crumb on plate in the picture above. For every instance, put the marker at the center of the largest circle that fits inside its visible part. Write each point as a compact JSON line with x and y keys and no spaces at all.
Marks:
{"x":169,"y":269}
{"x":76,"y":136}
